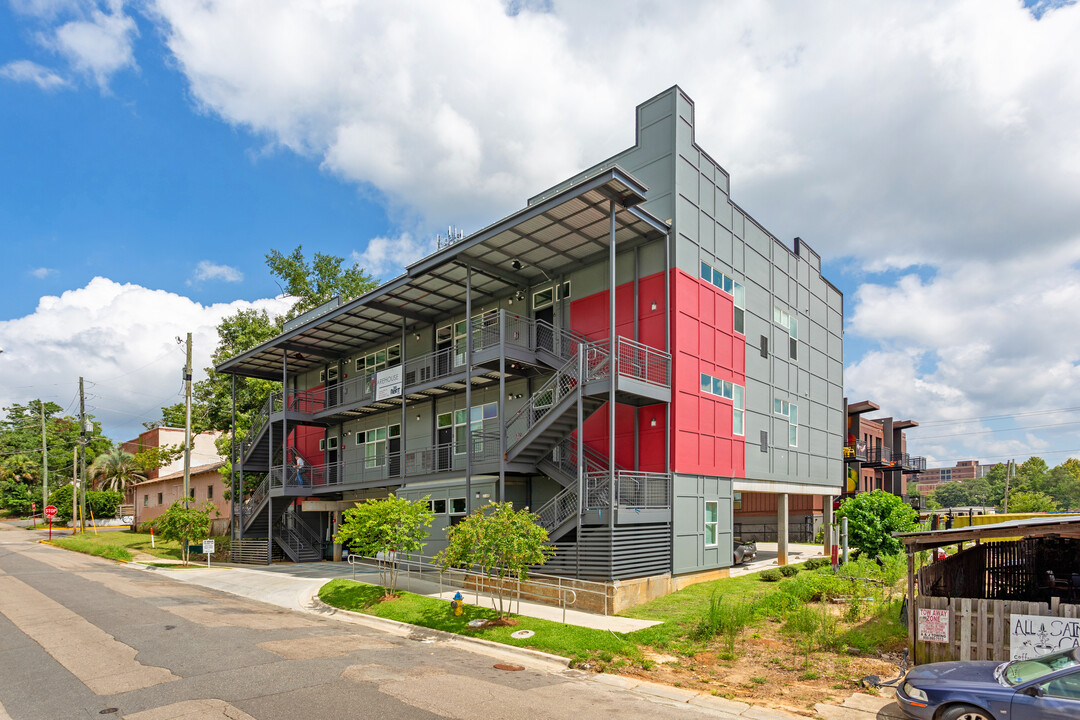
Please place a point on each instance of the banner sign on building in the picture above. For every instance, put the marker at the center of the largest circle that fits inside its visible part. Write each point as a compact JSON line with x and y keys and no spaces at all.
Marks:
{"x":1034,"y":635}
{"x":388,"y":383}
{"x":933,"y":625}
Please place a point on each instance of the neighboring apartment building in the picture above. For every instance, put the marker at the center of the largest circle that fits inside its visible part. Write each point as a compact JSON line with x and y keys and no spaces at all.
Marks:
{"x":503,"y":367}
{"x":876,"y":452}
{"x":930,"y":478}
{"x":164,"y":486}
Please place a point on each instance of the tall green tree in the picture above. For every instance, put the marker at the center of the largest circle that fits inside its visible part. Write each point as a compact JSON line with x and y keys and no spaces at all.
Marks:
{"x":318,"y":281}
{"x":1030,"y":476}
{"x":872,"y":519}
{"x":115,"y":470}
{"x":1063,"y":484}
{"x":1027,"y":501}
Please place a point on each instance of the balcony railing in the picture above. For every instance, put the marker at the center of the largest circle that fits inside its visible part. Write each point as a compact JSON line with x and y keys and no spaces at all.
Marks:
{"x":855,"y":452}
{"x":382,"y":466}
{"x":641,"y":362}
{"x":638,"y":490}
{"x":879,"y":455}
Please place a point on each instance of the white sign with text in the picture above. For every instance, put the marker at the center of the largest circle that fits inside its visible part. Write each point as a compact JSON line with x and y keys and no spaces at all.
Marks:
{"x":1034,"y":635}
{"x":933,"y":625}
{"x":388,"y":383}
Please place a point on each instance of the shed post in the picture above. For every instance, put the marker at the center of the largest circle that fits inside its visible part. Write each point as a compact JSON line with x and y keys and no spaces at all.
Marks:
{"x":911,"y":604}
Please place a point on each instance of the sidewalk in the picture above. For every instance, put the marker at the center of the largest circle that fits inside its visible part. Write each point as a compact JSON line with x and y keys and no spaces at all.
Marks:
{"x":766,"y":557}
{"x":295,"y":586}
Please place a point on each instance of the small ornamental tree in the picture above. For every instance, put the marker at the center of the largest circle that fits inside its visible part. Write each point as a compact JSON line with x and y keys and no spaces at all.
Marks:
{"x":383,"y":528}
{"x":1031,"y":502}
{"x":501,"y":541}
{"x":872,"y":519}
{"x":185,"y":524}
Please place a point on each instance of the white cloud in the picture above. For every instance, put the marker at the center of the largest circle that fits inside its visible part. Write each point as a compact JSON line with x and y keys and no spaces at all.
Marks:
{"x":43,"y":272}
{"x":120,"y":337}
{"x":385,"y":255}
{"x":207,"y":270}
{"x":27,"y":71}
{"x":897,"y":133}
{"x":99,"y":44}
{"x":979,"y":339}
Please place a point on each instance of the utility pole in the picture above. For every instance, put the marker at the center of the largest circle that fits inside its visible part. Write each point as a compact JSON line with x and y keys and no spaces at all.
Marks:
{"x":187,"y":424}
{"x":1008,"y":477}
{"x":74,"y":488}
{"x":82,"y":458}
{"x":44,"y":461}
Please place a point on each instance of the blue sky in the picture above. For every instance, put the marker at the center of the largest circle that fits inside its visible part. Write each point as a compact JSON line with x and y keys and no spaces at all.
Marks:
{"x":154,"y":151}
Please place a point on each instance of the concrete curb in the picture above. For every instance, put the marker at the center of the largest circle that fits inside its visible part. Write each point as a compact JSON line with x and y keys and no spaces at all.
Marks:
{"x":403,"y":629}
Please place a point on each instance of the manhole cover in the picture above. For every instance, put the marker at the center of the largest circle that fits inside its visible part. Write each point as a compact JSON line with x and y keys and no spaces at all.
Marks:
{"x":109,"y":711}
{"x":522,"y":634}
{"x":512,"y":668}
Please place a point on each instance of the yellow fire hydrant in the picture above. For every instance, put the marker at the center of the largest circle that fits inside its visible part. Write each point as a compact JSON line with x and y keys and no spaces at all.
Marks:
{"x":457,"y":604}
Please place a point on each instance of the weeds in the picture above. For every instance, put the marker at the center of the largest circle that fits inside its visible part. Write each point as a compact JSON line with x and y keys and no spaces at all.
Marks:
{"x":725,"y":618}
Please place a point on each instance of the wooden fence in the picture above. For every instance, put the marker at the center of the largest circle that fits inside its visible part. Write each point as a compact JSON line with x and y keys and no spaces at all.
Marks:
{"x":979,"y":628}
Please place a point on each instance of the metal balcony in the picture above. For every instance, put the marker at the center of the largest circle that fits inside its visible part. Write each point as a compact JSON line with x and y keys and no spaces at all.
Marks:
{"x":855,"y":452}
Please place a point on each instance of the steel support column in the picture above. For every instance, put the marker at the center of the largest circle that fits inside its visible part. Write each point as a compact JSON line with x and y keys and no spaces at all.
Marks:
{"x":468,"y":390}
{"x":401,"y":440}
{"x":232,"y":463}
{"x":502,"y":406}
{"x":613,"y":371}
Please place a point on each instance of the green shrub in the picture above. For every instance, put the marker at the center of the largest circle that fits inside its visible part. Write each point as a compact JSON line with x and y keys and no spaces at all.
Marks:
{"x":99,"y":503}
{"x":770,"y":575}
{"x":789,"y":570}
{"x":815,"y":563}
{"x":15,"y":497}
{"x":872,"y":519}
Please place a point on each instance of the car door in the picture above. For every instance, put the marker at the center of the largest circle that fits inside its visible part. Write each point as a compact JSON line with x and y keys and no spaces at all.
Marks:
{"x":1055,"y":699}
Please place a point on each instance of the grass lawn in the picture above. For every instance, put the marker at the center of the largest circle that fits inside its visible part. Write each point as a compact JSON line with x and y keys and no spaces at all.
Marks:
{"x":122,"y":545}
{"x":551,"y":637}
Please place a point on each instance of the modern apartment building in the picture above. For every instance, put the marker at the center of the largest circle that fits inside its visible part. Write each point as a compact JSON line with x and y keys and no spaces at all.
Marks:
{"x":623,"y":355}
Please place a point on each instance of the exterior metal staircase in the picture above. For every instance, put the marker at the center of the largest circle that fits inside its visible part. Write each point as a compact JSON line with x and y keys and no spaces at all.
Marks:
{"x":297,"y":539}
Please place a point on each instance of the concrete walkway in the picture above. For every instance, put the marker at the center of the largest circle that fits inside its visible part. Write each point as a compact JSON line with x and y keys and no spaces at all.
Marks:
{"x":767,"y":557}
{"x":295,"y":586}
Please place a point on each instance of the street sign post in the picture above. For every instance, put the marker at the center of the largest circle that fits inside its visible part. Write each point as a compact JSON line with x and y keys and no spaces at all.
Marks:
{"x":50,"y":513}
{"x":208,"y":549}
{"x":33,"y":513}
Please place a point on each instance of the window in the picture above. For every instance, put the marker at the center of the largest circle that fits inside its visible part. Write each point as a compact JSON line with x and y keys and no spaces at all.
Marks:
{"x":791,"y":412}
{"x":146,"y":501}
{"x":159,"y":499}
{"x":791,"y":324}
{"x":710,"y":523}
{"x":380,"y":360}
{"x":209,"y":492}
{"x":475,"y":421}
{"x":457,"y":506}
{"x":192,"y":493}
{"x":437,"y":506}
{"x":543,"y":298}
{"x":729,"y":391}
{"x":724,"y":283}
{"x":322,"y":444}
{"x":374,"y":442}
{"x":736,"y":503}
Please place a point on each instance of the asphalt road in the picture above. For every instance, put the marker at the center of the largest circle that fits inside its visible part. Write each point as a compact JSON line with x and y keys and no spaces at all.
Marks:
{"x":82,"y":637}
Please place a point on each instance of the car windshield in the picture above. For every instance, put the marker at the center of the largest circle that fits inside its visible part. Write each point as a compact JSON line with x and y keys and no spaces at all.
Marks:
{"x":1020,"y":671}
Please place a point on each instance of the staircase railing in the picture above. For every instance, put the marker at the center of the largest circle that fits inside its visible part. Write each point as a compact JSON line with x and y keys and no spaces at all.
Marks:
{"x":249,"y":506}
{"x":301,"y":528}
{"x":558,"y":509}
{"x":641,"y":362}
{"x":641,"y":490}
{"x":563,"y":383}
{"x":260,"y":422}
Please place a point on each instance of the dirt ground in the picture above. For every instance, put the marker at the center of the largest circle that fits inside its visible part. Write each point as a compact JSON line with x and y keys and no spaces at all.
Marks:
{"x":767,"y":671}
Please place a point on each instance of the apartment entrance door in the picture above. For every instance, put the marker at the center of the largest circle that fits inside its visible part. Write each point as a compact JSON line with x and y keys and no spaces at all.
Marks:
{"x":444,"y":442}
{"x":331,"y":385}
{"x":544,"y":337}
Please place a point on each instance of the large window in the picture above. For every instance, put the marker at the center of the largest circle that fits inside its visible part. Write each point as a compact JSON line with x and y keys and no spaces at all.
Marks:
{"x":710,"y":523}
{"x":729,"y":391}
{"x":738,"y":293}
{"x":474,"y":420}
{"x":374,"y":443}
{"x":791,"y":412}
{"x":380,"y":360}
{"x":791,"y":324}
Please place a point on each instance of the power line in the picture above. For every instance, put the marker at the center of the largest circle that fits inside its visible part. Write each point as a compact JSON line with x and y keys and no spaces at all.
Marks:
{"x":986,"y":418}
{"x":1000,"y":430}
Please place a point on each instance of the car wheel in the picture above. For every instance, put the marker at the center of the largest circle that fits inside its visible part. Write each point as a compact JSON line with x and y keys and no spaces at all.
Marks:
{"x":965,"y":712}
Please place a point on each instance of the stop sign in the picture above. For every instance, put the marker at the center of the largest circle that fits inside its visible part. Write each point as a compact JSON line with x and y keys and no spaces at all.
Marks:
{"x":50,"y":511}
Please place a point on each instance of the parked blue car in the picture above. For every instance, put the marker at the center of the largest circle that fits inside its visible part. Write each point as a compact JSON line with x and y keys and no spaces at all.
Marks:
{"x":1043,"y":688}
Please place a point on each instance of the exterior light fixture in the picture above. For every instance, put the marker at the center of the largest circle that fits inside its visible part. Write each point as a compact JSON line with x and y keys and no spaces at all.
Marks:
{"x":654,"y":306}
{"x":516,"y":264}
{"x":416,"y":336}
{"x":418,"y":417}
{"x":652,"y":422}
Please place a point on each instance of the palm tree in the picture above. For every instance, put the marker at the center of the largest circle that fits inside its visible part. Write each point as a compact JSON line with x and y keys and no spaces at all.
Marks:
{"x":115,"y":470}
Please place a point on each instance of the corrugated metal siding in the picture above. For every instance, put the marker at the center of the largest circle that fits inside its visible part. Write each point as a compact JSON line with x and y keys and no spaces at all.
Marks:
{"x":640,"y":550}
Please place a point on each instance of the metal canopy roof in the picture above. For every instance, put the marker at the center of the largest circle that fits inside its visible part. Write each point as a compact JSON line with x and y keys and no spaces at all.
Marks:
{"x":1049,"y":525}
{"x":569,"y":229}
